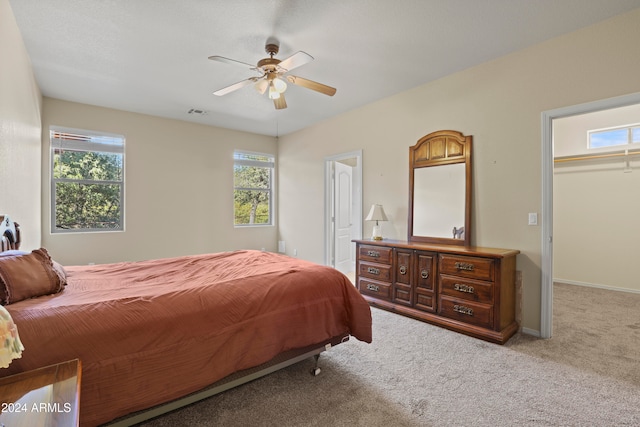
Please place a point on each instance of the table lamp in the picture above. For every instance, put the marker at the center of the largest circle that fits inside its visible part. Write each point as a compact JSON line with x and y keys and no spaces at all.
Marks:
{"x":376,"y":214}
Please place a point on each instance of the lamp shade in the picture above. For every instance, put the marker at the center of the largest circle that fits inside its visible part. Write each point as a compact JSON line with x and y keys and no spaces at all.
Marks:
{"x":280,"y":85}
{"x":10,"y":345}
{"x":273,"y":92}
{"x":376,"y":214}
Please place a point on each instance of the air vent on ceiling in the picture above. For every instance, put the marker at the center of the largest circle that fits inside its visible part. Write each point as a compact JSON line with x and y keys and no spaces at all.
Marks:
{"x":197,"y":112}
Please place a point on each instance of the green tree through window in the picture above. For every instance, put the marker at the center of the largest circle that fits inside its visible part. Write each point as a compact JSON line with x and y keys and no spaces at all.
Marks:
{"x":253,"y":182}
{"x":87,"y":181}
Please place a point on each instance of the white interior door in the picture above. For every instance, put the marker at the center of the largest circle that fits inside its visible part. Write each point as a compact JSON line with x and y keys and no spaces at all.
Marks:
{"x":342,"y":209}
{"x":343,"y":214}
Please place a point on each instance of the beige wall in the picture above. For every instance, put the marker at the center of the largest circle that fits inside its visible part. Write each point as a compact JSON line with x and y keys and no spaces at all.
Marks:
{"x":500,"y":104}
{"x":20,"y":104}
{"x":178,"y":188}
{"x":596,"y":206}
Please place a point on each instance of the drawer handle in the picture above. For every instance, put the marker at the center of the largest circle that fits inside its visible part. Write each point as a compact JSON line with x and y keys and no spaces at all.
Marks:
{"x":373,"y":254}
{"x":464,"y":266}
{"x":463,"y":310}
{"x":424,"y":274}
{"x":373,"y":288}
{"x":464,"y":288}
{"x":403,"y":269}
{"x":372,"y":270}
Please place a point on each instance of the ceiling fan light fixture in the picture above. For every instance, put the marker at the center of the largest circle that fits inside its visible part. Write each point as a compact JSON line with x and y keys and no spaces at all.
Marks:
{"x":261,"y":86}
{"x":280,"y":85}
{"x":273,"y":92}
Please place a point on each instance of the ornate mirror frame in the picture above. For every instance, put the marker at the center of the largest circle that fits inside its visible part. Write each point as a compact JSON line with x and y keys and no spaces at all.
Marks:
{"x":445,"y":147}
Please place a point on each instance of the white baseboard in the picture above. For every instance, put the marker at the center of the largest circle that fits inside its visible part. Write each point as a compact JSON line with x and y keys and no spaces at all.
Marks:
{"x":595,"y":285}
{"x":533,"y":332}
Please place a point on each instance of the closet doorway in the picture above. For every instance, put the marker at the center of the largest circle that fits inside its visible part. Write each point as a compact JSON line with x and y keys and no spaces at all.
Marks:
{"x":548,"y":119}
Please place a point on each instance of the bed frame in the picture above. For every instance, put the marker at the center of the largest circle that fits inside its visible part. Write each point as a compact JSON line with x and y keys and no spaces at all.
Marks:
{"x":10,"y":240}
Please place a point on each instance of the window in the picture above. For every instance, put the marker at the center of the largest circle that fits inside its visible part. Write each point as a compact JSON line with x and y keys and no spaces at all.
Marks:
{"x":614,"y":137}
{"x":253,"y":188}
{"x":87,"y":181}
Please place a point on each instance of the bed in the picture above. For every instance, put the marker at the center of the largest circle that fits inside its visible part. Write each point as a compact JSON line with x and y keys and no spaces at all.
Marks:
{"x":155,"y":335}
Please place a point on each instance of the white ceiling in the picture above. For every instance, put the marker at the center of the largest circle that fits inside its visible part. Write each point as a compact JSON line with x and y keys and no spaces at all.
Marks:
{"x":150,"y":56}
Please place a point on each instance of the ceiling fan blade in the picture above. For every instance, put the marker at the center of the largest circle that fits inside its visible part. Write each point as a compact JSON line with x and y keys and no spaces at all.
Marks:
{"x":280,"y":103}
{"x":230,"y":61}
{"x":235,"y":86}
{"x":310,"y":84}
{"x":295,"y":60}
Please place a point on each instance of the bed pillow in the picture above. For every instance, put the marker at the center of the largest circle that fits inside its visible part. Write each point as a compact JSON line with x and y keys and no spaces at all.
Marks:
{"x":60,"y":271}
{"x":28,"y":276}
{"x":11,"y":252}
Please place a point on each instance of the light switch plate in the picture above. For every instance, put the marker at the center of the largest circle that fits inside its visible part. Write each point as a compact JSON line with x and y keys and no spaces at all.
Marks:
{"x":533,"y":218}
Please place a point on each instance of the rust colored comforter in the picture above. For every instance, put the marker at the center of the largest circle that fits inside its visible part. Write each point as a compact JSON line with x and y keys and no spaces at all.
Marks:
{"x":152,"y":331}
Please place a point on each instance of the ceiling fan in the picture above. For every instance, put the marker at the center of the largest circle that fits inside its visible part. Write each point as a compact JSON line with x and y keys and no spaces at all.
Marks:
{"x":272,"y":75}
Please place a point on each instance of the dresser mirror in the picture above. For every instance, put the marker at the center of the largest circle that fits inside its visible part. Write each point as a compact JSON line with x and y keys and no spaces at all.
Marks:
{"x":440,"y":189}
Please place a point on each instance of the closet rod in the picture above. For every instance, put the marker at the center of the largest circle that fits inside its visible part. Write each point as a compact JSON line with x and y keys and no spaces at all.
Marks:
{"x":595,"y":156}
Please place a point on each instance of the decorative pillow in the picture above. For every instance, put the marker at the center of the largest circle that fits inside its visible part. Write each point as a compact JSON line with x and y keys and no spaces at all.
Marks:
{"x":60,"y":271}
{"x":11,"y":252}
{"x":28,"y":276}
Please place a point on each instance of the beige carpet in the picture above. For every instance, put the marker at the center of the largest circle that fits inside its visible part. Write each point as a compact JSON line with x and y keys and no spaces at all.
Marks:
{"x":415,"y":374}
{"x":594,"y":330}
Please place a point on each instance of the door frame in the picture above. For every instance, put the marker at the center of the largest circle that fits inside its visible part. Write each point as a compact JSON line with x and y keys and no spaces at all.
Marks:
{"x":546,"y":297}
{"x":328,"y":200}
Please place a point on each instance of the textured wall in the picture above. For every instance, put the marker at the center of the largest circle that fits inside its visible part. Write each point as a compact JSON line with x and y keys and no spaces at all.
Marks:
{"x":20,"y":104}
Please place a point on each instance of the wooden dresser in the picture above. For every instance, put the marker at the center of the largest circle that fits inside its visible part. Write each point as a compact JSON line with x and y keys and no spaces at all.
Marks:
{"x":466,"y":289}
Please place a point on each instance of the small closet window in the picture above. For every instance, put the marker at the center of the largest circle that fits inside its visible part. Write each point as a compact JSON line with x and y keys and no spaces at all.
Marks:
{"x":614,"y":137}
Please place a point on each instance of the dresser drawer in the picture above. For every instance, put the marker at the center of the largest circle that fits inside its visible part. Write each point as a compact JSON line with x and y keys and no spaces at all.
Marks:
{"x":375,"y":271}
{"x":468,"y":289}
{"x":466,"y":266}
{"x":466,"y":311}
{"x":375,"y":289}
{"x":375,"y":254}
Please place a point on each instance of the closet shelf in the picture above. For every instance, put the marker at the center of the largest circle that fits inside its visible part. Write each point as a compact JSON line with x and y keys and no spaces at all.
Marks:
{"x":596,"y":156}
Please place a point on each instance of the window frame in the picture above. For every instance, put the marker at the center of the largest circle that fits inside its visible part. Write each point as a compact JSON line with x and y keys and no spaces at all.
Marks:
{"x":87,"y":146}
{"x":630,"y":130}
{"x":271,"y":164}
